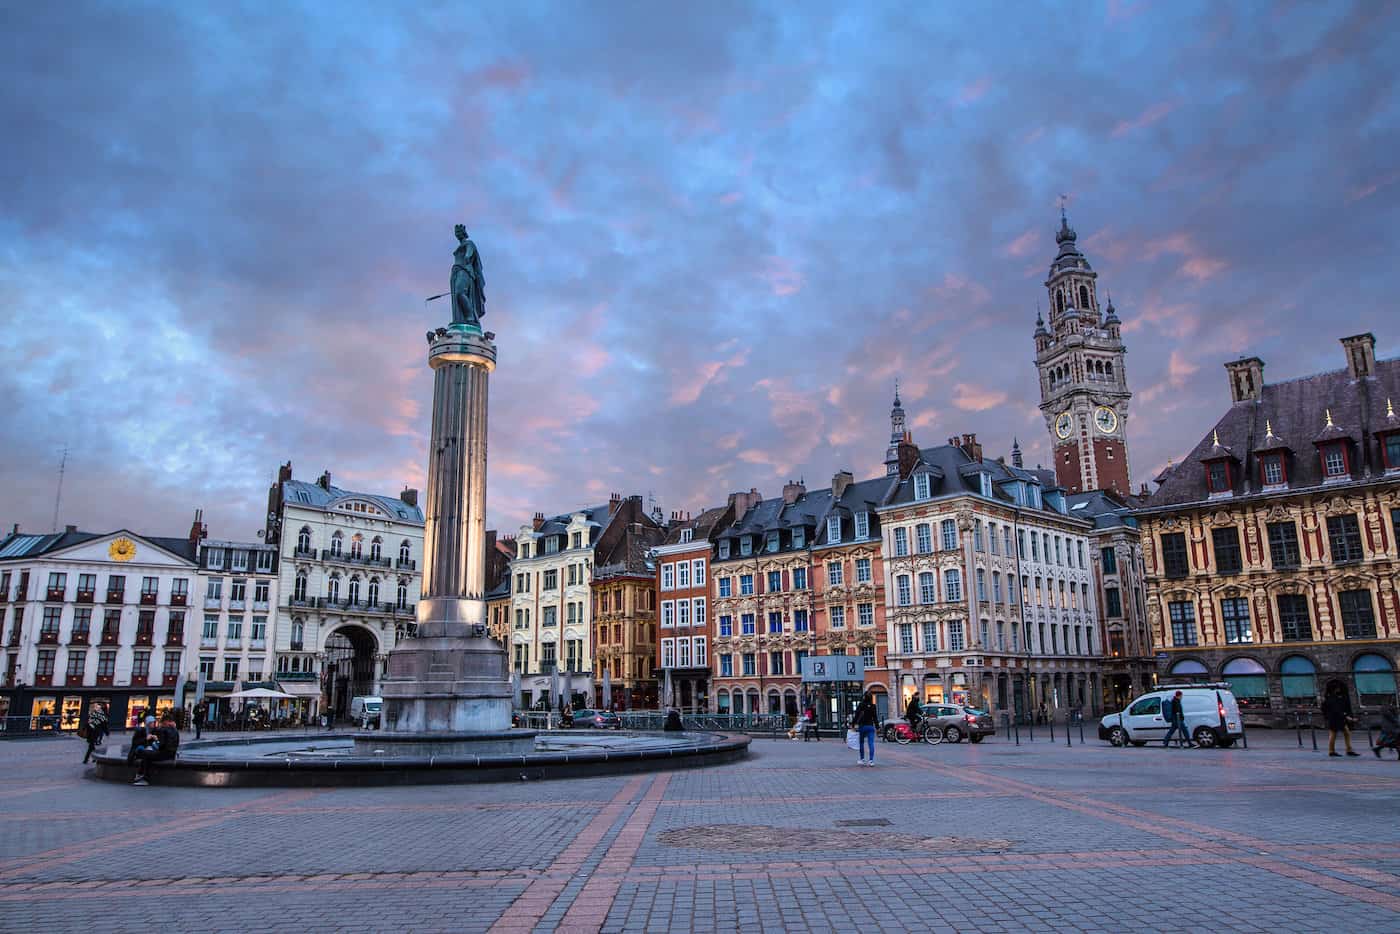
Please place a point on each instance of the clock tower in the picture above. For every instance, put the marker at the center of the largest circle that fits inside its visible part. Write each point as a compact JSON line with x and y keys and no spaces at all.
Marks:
{"x":1083,"y":388}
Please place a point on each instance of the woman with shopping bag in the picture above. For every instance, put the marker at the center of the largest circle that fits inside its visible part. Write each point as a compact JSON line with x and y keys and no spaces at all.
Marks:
{"x":863,"y":723}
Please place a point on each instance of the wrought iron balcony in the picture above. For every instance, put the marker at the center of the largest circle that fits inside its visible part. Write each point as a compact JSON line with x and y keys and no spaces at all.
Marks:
{"x":55,"y":595}
{"x":84,"y":596}
{"x":149,"y":597}
{"x":116,"y":596}
{"x":179,"y":599}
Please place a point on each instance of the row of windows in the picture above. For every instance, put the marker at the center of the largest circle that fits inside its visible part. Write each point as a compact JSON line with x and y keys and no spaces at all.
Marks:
{"x":1054,"y":639}
{"x":208,"y":663}
{"x":683,"y":574}
{"x":575,"y":573}
{"x":238,"y":560}
{"x":798,"y":621}
{"x":81,"y":628}
{"x":776,"y":662}
{"x":233,"y":631}
{"x":1295,"y":621}
{"x":238,"y":590}
{"x":376,"y":546}
{"x":353,"y":591}
{"x":550,"y":545}
{"x":76,"y":668}
{"x":684,"y":652}
{"x":57,"y":590}
{"x":1343,"y":539}
{"x":549,"y":656}
{"x":683,"y":613}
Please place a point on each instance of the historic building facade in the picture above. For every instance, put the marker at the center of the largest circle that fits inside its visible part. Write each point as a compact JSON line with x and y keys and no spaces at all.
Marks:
{"x":1270,"y":549}
{"x":95,"y":617}
{"x":1083,"y":387}
{"x":685,"y":589}
{"x":624,"y":630}
{"x":349,"y":579}
{"x":237,"y":602}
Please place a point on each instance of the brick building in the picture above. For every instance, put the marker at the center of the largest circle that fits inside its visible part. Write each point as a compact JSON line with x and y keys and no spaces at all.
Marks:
{"x":624,"y":615}
{"x":685,"y":589}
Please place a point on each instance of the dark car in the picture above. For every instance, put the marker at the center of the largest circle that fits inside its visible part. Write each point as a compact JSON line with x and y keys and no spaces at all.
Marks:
{"x":596,"y":720}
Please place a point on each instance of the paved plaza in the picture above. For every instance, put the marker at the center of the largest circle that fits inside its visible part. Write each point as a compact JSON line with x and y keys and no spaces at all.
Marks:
{"x":797,"y":837}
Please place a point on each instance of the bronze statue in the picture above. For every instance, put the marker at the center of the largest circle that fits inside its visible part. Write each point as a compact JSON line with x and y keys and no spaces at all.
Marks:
{"x":468,"y":287}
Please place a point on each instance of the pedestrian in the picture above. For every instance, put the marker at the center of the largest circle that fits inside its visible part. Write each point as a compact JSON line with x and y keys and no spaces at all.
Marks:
{"x":1390,"y":729}
{"x":140,"y":737}
{"x":162,"y":745}
{"x":97,"y":727}
{"x":673,"y":721}
{"x":1176,"y":716}
{"x":865,"y":719}
{"x":1336,"y":710}
{"x":201,"y":716}
{"x":914,"y":713}
{"x":1044,"y":714}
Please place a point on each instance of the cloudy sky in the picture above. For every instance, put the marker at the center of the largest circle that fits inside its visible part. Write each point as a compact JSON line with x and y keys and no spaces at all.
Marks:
{"x":712,"y":239}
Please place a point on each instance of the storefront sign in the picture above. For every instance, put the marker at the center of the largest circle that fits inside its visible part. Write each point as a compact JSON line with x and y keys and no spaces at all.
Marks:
{"x":833,"y":668}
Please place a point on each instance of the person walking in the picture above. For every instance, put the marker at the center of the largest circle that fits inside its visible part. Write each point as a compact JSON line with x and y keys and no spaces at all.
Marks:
{"x":97,"y":727}
{"x":865,"y":719}
{"x":201,"y":716}
{"x":1390,"y":729}
{"x":1336,"y":710}
{"x":1176,"y":716}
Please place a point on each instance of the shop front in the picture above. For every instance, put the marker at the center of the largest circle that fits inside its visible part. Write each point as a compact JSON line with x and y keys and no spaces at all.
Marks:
{"x":64,"y":709}
{"x":832,"y":685}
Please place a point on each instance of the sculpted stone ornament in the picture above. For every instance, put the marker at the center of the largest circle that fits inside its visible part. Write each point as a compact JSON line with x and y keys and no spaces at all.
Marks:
{"x":468,"y":285}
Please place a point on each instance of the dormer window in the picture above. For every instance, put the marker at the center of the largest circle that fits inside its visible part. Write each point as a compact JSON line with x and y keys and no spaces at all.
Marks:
{"x":1218,"y":477}
{"x":862,"y":525}
{"x":1390,"y":450}
{"x":686,"y":535}
{"x":1334,"y":461}
{"x":986,"y":482}
{"x":724,"y":549}
{"x":746,"y":545}
{"x":1271,"y":471}
{"x":551,"y":545}
{"x":833,"y":529}
{"x":772,"y":542}
{"x":921,"y":486}
{"x":799,"y":538}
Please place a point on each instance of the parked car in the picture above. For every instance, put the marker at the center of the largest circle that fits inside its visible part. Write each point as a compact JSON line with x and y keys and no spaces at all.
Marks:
{"x":365,"y":711}
{"x":596,"y":720}
{"x":1212,"y":717}
{"x":955,"y":722}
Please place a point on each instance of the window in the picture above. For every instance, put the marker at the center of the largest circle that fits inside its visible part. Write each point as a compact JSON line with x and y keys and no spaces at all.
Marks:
{"x":1174,"y":554}
{"x":551,"y":547}
{"x":1358,"y":622}
{"x":799,"y":621}
{"x":906,"y":638}
{"x":1218,"y":477}
{"x":982,"y":585}
{"x":771,"y":542}
{"x":1110,"y":561}
{"x":901,"y":584}
{"x":833,"y":528}
{"x":775,"y":622}
{"x":1183,"y":622}
{"x":550,"y":616}
{"x":668,"y":653}
{"x":107,"y":663}
{"x":699,"y":611}
{"x":952,"y":585}
{"x":726,"y":586}
{"x":551,"y":580}
{"x":304,"y":539}
{"x":401,"y":595}
{"x":1293,"y":618}
{"x":683,"y":652}
{"x":239,"y":559}
{"x":1271,"y":469}
{"x":332,"y":588}
{"x":77,"y":662}
{"x":1344,"y":535}
{"x":996,"y":587}
{"x":668,"y":576}
{"x":726,"y":625}
{"x":724,"y":549}
{"x":1059,"y":554}
{"x":921,"y":486}
{"x":548,"y":656}
{"x":1334,"y":461}
{"x":799,"y":578}
{"x":799,"y":537}
{"x":1079,"y":549}
{"x":949,"y":531}
{"x":1283,"y":545}
{"x":862,"y":525}
{"x":238,"y":590}
{"x":928,"y":587}
{"x":992,"y":538}
{"x":210,"y":634}
{"x":775,"y":581}
{"x":747,"y":625}
{"x":726,"y":665}
{"x":298,"y":634}
{"x":82,"y":623}
{"x":1035,"y":547}
{"x":955,"y":636}
{"x":231,"y":669}
{"x":1113,"y":602}
{"x":745,"y":585}
{"x":1227,"y":550}
{"x":863,"y":571}
{"x":521,"y":661}
{"x":111,"y":625}
{"x":258,"y":634}
{"x":668,"y":613}
{"x":838,"y":617}
{"x":1375,"y":679}
{"x":750,"y":664}
{"x":373,"y":596}
{"x":573,"y":654}
{"x":929,"y":634}
{"x":834,"y":576}
{"x":576,"y":540}
{"x":1234,"y":613}
{"x":87,"y":583}
{"x":697,"y":571}
{"x":405,"y":551}
{"x":1006,"y":539}
{"x":50,"y":625}
{"x":901,"y":542}
{"x":867,"y":656}
{"x":923,"y":538}
{"x":977,"y":543}
{"x":683,"y":574}
{"x":865,"y":614}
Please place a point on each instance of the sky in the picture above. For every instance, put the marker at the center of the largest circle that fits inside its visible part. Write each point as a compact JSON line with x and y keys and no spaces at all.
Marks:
{"x":713,"y":234}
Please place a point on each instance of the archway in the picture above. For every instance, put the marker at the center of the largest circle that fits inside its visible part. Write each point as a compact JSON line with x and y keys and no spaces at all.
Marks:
{"x":349,"y":669}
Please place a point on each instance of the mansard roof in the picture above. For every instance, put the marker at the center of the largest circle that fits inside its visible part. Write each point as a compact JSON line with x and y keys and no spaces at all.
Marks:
{"x":19,"y":545}
{"x":702,"y":527}
{"x":1296,"y":409}
{"x":595,"y":516}
{"x":301,"y":493}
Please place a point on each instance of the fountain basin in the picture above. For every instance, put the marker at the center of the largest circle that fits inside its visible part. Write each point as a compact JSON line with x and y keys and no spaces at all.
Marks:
{"x":326,"y":759}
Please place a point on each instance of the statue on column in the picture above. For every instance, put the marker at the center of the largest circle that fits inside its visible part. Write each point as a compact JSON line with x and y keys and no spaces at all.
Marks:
{"x":468,"y":287}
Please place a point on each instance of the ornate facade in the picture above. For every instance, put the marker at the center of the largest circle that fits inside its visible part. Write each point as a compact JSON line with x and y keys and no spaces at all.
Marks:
{"x":686,"y":590}
{"x":1271,"y":551}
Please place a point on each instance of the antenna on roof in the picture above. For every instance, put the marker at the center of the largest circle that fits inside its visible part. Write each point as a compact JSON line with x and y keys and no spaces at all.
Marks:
{"x":58,"y":494}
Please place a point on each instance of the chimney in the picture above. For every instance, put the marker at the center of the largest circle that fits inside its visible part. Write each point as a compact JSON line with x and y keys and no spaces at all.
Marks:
{"x":325,"y":481}
{"x":1246,"y":379}
{"x":614,"y":502}
{"x":792,"y":491}
{"x":843,"y":479}
{"x":409,"y":496}
{"x":907,"y":454}
{"x":538,"y":520}
{"x":70,"y":529}
{"x":1361,"y":355}
{"x":15,"y":530}
{"x":197,"y":530}
{"x":743,"y":502}
{"x":971,"y":448}
{"x":284,"y":472}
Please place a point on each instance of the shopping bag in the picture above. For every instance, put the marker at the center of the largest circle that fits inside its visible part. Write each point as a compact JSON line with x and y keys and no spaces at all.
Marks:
{"x":853,"y":739}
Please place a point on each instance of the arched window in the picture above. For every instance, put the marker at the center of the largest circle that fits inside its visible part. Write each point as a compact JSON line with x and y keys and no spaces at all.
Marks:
{"x":1060,"y":301}
{"x":336,"y":541}
{"x":1189,"y":670}
{"x":355,"y":588}
{"x":333,"y":588}
{"x":404,"y":552}
{"x":1299,"y":680}
{"x":401,"y":596}
{"x":376,"y":548}
{"x":298,"y":633}
{"x":723,"y":703}
{"x":355,"y":545}
{"x":304,"y":539}
{"x":299,"y":588}
{"x":1108,"y":369}
{"x":1375,"y":679}
{"x":374,"y":591}
{"x":1249,"y":681}
{"x":1084,"y":296}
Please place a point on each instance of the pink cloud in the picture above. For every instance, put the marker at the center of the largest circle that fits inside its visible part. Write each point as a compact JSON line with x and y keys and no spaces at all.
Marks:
{"x":690,"y":388}
{"x":502,"y":74}
{"x":1148,"y":117}
{"x":1202,"y":268}
{"x":975,"y":91}
{"x":731,"y":197}
{"x":1198,"y":265}
{"x":971,"y":398}
{"x":521,"y":471}
{"x":782,"y":277}
{"x":1369,"y":189}
{"x":1024,"y":244}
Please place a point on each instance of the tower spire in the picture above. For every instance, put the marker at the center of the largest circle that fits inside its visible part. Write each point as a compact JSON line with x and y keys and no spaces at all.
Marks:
{"x":897,"y":434}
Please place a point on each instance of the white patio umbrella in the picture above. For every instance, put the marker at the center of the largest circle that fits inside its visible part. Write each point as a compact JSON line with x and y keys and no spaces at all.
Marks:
{"x":260,"y":693}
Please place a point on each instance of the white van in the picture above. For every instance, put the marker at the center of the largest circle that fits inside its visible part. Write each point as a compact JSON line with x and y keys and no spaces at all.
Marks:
{"x":365,"y":711}
{"x":1212,"y":717}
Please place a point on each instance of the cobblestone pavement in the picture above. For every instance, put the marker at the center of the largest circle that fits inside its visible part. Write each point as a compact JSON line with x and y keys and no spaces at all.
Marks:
{"x":989,"y":837}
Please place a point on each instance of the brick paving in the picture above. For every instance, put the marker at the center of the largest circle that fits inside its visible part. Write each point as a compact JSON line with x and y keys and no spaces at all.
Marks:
{"x":993,"y":837}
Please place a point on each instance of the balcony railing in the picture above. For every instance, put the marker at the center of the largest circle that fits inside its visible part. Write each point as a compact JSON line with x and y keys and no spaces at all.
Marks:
{"x":109,"y":637}
{"x":304,"y":553}
{"x":297,"y":646}
{"x":149,"y":597}
{"x":212,"y":603}
{"x":48,"y":636}
{"x":55,"y":595}
{"x":237,"y":604}
{"x":145,"y":637}
{"x":233,"y":643}
{"x":409,"y":565}
{"x":296,"y":676}
{"x":257,"y":645}
{"x":205,"y":642}
{"x":116,"y":596}
{"x":175,"y":638}
{"x":302,"y":601}
{"x":259,"y":605}
{"x":79,"y":637}
{"x":84,"y":596}
{"x":179,"y":599}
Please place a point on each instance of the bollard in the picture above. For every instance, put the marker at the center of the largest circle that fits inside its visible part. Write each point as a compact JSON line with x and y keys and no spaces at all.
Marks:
{"x":1313,"y":730}
{"x":1299,"y":724}
{"x":1016,"y":730}
{"x":1244,"y":734}
{"x":1081,"y":729}
{"x":1068,"y":742}
{"x":1369,"y":741}
{"x":1030,"y":728}
{"x":1051,"y":718}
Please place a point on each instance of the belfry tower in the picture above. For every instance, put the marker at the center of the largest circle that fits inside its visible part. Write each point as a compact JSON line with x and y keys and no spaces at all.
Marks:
{"x":1083,"y":387}
{"x":897,"y":430}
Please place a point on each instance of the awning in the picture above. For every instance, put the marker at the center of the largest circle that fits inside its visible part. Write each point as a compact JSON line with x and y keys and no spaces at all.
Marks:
{"x":261,"y":694}
{"x":301,"y":688}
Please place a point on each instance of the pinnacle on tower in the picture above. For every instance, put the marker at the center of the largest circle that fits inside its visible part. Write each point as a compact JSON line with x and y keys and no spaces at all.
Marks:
{"x":1016,"y":460}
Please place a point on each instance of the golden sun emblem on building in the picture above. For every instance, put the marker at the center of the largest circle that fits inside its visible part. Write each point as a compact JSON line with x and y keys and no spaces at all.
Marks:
{"x":121,"y":549}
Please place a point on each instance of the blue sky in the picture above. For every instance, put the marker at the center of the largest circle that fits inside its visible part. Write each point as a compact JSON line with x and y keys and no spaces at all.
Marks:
{"x":712,"y":238}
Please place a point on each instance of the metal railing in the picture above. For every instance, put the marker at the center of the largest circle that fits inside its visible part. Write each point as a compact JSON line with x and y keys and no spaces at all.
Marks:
{"x":655,"y":721}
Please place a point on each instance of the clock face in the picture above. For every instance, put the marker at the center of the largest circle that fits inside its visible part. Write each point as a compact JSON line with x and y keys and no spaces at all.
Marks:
{"x":1064,"y":425}
{"x":121,"y":549}
{"x":1106,"y":419}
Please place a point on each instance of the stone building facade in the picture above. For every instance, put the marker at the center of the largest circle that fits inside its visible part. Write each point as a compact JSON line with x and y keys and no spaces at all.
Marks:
{"x":238,"y":601}
{"x":1270,"y":549}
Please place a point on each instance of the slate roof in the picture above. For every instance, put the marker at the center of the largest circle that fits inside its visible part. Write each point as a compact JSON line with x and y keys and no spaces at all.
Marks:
{"x":863,"y":496}
{"x":632,"y":556}
{"x":559,"y":525}
{"x":1297,"y":411}
{"x":301,"y":493}
{"x":770,"y":515}
{"x":701,"y":526}
{"x":20,"y":545}
{"x":1105,"y":508}
{"x":500,"y":590}
{"x":952,"y":471}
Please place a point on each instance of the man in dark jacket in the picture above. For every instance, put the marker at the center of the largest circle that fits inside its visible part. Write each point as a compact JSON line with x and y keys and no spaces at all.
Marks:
{"x":1336,"y":710}
{"x":97,"y":726}
{"x":201,"y":716}
{"x":1175,"y":712}
{"x":865,"y":720}
{"x":163,"y":747}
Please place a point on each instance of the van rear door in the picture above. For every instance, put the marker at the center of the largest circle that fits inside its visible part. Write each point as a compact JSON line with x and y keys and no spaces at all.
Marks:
{"x":1226,"y":701}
